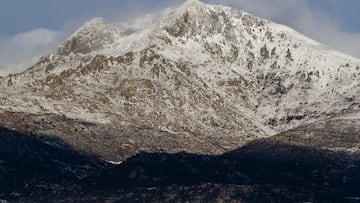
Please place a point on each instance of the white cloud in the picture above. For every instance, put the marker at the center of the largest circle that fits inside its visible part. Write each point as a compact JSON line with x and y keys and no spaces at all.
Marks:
{"x":297,"y":14}
{"x":22,"y":50}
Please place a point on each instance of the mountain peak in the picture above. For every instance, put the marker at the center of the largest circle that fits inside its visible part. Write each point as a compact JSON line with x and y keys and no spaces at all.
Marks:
{"x":235,"y":65}
{"x":192,"y":6}
{"x":95,"y":21}
{"x":94,"y":24}
{"x":92,"y":36}
{"x":193,"y":3}
{"x":194,"y":18}
{"x":199,"y":78}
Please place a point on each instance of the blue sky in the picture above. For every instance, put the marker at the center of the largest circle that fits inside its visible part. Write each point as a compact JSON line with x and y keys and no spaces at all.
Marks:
{"x":30,"y":29}
{"x":22,"y":15}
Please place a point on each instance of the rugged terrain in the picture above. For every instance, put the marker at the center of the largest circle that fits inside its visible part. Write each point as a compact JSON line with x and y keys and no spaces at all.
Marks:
{"x":265,"y":170}
{"x":201,"y":79}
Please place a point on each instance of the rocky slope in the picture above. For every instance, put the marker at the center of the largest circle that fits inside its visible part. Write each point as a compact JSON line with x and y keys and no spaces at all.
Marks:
{"x":286,"y":174}
{"x":204,"y":79}
{"x":40,"y":164}
{"x":202,"y":71}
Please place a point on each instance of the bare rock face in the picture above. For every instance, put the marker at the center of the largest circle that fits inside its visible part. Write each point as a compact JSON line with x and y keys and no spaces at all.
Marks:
{"x":91,"y":37}
{"x":188,"y":23}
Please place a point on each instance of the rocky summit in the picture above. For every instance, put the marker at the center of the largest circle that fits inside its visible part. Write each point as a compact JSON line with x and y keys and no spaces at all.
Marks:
{"x":219,"y":85}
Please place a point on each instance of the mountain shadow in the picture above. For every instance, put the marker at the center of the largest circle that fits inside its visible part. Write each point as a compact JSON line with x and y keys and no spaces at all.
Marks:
{"x":31,"y":164}
{"x":262,"y":171}
{"x":42,"y":168}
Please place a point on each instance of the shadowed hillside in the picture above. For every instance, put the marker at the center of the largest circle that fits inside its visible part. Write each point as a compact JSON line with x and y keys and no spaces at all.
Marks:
{"x":261,"y":171}
{"x":40,"y":164}
{"x":39,"y":168}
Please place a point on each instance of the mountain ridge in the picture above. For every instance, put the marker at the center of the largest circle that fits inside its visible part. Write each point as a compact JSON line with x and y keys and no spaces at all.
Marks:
{"x":208,"y":72}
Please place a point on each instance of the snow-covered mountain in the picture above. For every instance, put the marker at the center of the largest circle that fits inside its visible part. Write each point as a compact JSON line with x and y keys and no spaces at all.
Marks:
{"x":208,"y":75}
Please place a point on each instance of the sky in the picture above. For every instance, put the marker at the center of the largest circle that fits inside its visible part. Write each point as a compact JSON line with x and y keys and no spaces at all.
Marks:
{"x":31,"y":29}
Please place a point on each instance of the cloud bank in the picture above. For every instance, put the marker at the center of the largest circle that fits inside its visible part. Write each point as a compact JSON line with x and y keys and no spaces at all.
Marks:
{"x":24,"y":49}
{"x":312,"y":21}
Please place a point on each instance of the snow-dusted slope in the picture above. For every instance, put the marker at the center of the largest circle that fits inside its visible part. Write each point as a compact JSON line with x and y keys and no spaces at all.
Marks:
{"x":198,"y":70}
